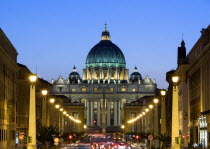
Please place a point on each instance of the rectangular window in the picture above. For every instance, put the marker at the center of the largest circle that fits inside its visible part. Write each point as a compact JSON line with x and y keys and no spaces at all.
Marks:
{"x":95,"y":89}
{"x":123,"y":89}
{"x":73,"y":89}
{"x":60,"y":88}
{"x":84,"y":89}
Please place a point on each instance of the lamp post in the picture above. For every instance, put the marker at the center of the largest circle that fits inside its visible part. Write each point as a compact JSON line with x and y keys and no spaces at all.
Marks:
{"x":155,"y":100}
{"x":151,"y":106}
{"x":44,"y":108}
{"x":163,"y":111}
{"x":175,"y":114}
{"x":32,"y":113}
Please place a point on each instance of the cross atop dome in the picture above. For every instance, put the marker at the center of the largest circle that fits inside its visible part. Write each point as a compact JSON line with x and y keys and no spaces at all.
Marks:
{"x":105,"y":34}
{"x":135,"y":69}
{"x":74,"y":69}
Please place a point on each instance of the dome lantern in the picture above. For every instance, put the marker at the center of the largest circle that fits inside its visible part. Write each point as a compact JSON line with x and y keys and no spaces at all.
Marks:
{"x":105,"y":34}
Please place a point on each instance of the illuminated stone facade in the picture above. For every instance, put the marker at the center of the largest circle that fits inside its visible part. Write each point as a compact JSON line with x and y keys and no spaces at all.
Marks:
{"x":8,"y":96}
{"x":105,"y":74}
{"x":199,"y":89}
{"x":194,"y":92}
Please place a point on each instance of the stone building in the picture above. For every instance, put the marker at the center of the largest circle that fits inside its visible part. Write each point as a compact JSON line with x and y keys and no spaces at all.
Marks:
{"x":105,"y":86}
{"x":194,"y":91}
{"x":182,"y":62}
{"x":198,"y":75}
{"x":8,"y":96}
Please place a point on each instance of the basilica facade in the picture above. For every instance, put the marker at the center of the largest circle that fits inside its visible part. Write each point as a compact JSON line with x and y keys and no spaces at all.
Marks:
{"x":104,"y":87}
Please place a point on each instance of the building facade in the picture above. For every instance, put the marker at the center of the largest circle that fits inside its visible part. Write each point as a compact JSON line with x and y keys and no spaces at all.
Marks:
{"x":8,"y":96}
{"x":198,"y":74}
{"x":105,"y":86}
{"x":194,"y":91}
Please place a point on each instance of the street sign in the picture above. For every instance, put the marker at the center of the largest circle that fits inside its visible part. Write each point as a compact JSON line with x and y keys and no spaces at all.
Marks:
{"x":150,"y":137}
{"x":21,"y":137}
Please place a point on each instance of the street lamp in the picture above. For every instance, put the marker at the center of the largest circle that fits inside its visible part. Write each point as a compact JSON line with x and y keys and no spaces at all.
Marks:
{"x":44,"y":107}
{"x":151,"y":106}
{"x":147,"y":110}
{"x":52,"y":100}
{"x":175,"y":112}
{"x":163,"y":111}
{"x":32,"y":113}
{"x":155,"y":100}
{"x":57,"y":106}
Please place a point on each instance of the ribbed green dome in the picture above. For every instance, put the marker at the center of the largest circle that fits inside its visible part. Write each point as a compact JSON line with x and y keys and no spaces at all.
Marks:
{"x":105,"y":54}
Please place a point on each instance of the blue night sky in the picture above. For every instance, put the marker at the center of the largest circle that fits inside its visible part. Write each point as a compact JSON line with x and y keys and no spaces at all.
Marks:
{"x":55,"y":35}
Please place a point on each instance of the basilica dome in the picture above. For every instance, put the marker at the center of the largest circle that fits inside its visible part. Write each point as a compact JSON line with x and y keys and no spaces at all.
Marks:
{"x":74,"y":76}
{"x":135,"y":76}
{"x":105,"y":54}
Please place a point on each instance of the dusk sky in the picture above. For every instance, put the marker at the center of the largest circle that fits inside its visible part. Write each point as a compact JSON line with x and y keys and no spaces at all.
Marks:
{"x":55,"y":35}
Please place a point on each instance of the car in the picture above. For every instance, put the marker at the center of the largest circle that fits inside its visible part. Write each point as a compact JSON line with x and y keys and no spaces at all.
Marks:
{"x":122,"y":146}
{"x":102,"y":146}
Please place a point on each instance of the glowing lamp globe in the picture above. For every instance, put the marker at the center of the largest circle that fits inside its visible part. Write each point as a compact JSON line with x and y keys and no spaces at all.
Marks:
{"x":155,"y":100}
{"x":33,"y":78}
{"x":57,"y":106}
{"x":52,"y":100}
{"x":175,"y":79}
{"x":163,"y":92}
{"x":44,"y":92}
{"x":151,"y":106}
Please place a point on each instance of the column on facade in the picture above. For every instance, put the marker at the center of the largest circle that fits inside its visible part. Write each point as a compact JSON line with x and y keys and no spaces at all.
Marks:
{"x":102,"y":74}
{"x":119,"y":112}
{"x":91,"y":112}
{"x":84,"y":76}
{"x":109,"y":74}
{"x":108,"y":112}
{"x":87,"y":70}
{"x":92,"y":74}
{"x":115,"y":113}
{"x":88,"y":112}
{"x":116,"y":74}
{"x":99,"y":113}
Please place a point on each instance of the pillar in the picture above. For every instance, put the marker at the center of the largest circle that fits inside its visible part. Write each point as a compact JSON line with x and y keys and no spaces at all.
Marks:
{"x":91,"y":112}
{"x":115,"y":113}
{"x":156,"y":120}
{"x":175,"y":118}
{"x":99,"y":113}
{"x":119,"y":112}
{"x":32,"y":118}
{"x":88,"y":113}
{"x":44,"y":111}
{"x":108,"y":112}
{"x":163,"y":116}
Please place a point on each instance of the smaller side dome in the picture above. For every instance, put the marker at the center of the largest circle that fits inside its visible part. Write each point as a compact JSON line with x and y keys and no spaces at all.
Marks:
{"x":135,"y":76}
{"x":74,"y":76}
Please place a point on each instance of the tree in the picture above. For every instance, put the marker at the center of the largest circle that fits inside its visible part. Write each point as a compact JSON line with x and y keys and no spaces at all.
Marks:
{"x":164,"y":139}
{"x":46,"y":134}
